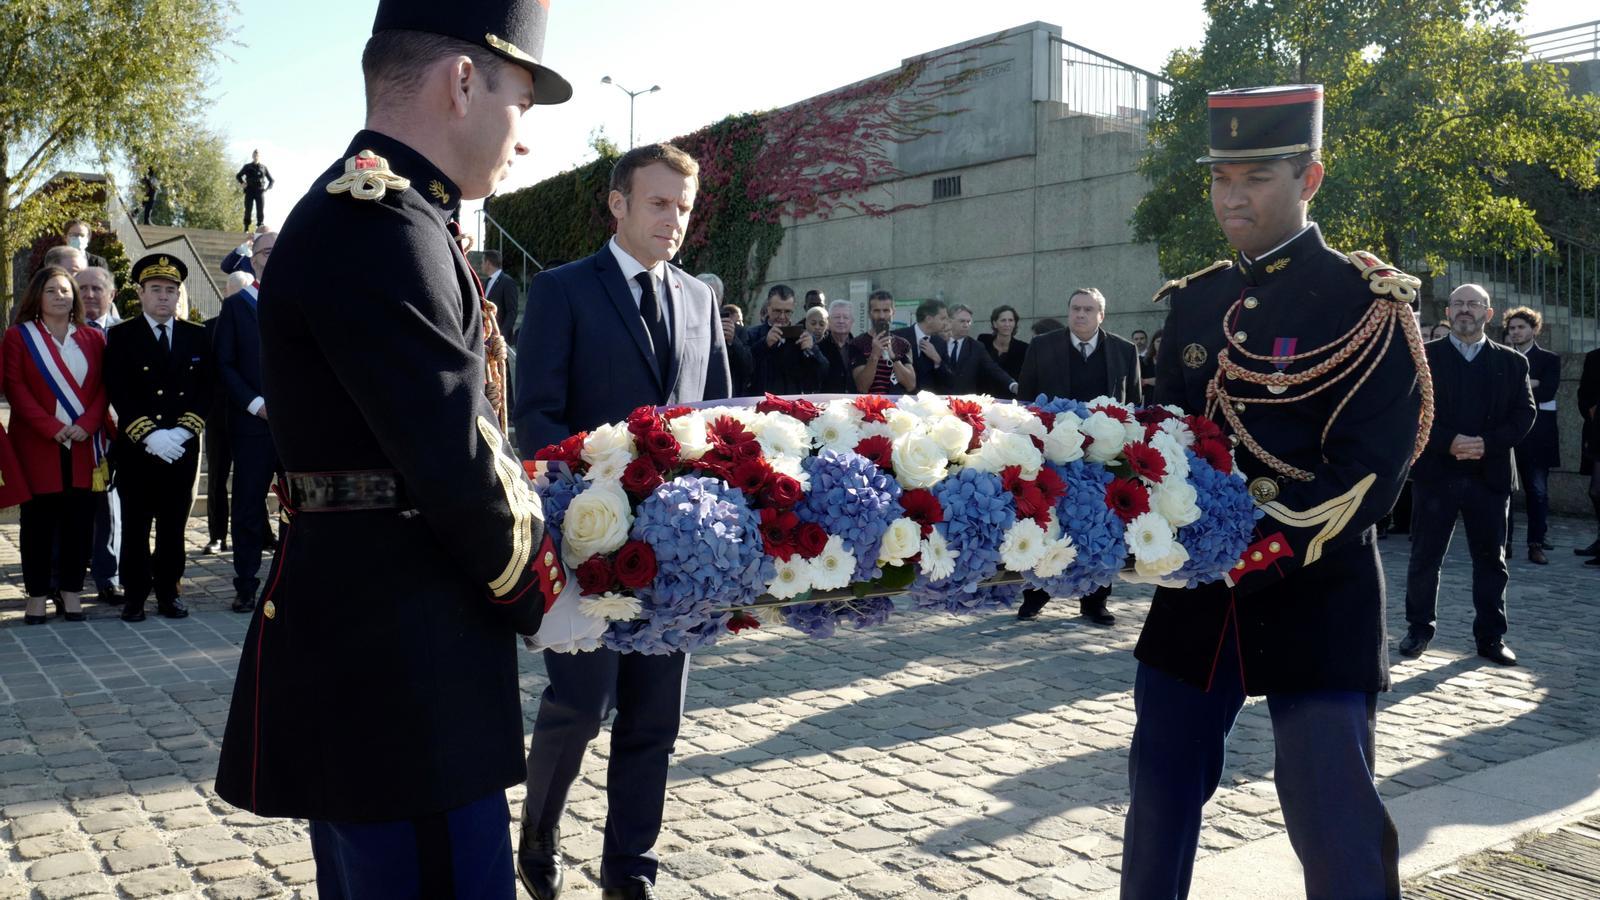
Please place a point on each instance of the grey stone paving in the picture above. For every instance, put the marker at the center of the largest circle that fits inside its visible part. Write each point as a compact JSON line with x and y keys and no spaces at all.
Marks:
{"x":934,"y":757}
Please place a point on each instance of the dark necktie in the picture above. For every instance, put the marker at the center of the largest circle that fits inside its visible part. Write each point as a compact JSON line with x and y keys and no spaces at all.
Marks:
{"x":955,"y":351}
{"x":161,"y":338}
{"x":1083,"y":347}
{"x":654,"y":324}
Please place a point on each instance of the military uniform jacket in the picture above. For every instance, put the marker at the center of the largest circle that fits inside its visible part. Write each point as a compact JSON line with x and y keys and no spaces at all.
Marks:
{"x":378,"y":680}
{"x":153,"y":389}
{"x":1308,"y":611}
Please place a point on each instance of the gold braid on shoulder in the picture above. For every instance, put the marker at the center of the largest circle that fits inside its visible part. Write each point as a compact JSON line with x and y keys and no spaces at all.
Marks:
{"x":1361,"y":348}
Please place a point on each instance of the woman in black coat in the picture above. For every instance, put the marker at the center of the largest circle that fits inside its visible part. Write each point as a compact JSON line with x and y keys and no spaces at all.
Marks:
{"x":1003,"y":345}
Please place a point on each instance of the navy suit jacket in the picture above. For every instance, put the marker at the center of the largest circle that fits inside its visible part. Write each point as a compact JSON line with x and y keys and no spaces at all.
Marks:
{"x":583,"y":356}
{"x":237,"y":349}
{"x":1542,"y":447}
{"x":933,"y":377}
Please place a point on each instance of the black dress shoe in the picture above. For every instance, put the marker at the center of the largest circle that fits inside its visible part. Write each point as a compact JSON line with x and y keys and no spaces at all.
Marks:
{"x":1537,"y":557}
{"x":1097,"y":614}
{"x":1593,"y":561}
{"x":133,"y":612}
{"x":110,"y":596}
{"x":539,"y":863}
{"x":1591,"y":550}
{"x":244,"y":603}
{"x":216,"y":546}
{"x":1032,"y":602}
{"x":638,"y":888}
{"x":28,"y":619}
{"x":1498,"y":652}
{"x":1412,"y":645}
{"x":172,"y":609}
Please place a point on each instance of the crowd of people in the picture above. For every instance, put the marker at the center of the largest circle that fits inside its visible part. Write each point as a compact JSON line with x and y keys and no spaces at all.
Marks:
{"x":108,"y":418}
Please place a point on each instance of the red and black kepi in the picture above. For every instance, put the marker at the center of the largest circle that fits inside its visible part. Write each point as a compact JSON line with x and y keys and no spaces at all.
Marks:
{"x":513,"y":29}
{"x":1261,"y":123}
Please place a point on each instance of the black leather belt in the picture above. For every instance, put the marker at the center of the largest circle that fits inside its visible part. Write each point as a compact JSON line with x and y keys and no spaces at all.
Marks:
{"x":360,"y":491}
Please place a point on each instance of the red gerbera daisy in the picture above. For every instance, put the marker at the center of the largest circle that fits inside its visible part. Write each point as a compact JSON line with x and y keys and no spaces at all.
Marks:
{"x":1051,"y":485}
{"x":1127,"y":498}
{"x":879,"y":449}
{"x":873,"y":406}
{"x":1048,"y":418}
{"x":923,"y":508}
{"x":1115,"y":412}
{"x":1203,"y":428}
{"x":971,"y":413}
{"x":1216,"y":453}
{"x":750,"y":476}
{"x":741,"y":621}
{"x":1146,"y":461}
{"x":777,"y":533}
{"x":725,"y":434}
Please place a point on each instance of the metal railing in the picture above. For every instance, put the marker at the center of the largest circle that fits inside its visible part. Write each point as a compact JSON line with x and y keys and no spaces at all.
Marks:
{"x":495,"y":237}
{"x":1121,"y":96}
{"x":1563,"y":285}
{"x":1570,"y":44}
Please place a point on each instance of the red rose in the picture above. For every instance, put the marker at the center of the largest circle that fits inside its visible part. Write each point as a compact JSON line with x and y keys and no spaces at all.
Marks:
{"x":642,"y":421}
{"x":568,"y":451}
{"x":1127,"y":498}
{"x":1152,"y":415}
{"x":1216,"y":453}
{"x":1203,"y":428}
{"x":713,"y":464}
{"x":782,"y":491}
{"x":811,"y":540}
{"x":750,"y":476}
{"x":873,"y":406}
{"x":741,"y":621}
{"x":879,"y":449}
{"x":641,"y":477}
{"x":595,"y":576}
{"x":1146,"y":461}
{"x":661,"y":447}
{"x":677,"y":412}
{"x":772,"y":403}
{"x":747,"y":451}
{"x":804,"y":410}
{"x":777,"y":533}
{"x":923,"y":508}
{"x":636,"y":565}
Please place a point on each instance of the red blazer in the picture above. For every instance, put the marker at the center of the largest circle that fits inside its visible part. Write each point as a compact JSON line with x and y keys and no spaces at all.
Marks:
{"x":33,"y":418}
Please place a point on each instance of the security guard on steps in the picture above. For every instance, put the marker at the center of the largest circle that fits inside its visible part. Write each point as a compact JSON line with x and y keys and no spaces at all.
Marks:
{"x":377,"y":692}
{"x":1312,"y":362}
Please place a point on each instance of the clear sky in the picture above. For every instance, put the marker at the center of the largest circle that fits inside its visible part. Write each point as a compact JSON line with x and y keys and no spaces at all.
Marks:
{"x":291,"y":84}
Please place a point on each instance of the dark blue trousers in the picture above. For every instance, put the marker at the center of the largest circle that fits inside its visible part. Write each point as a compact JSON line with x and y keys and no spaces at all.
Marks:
{"x":255,"y":460}
{"x":1536,"y":490}
{"x":103,"y":552}
{"x":1483,"y":510}
{"x":1323,"y":770}
{"x":462,"y":854}
{"x":647,"y":693}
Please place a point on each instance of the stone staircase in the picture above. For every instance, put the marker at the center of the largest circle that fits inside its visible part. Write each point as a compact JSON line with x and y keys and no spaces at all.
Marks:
{"x":211,"y":246}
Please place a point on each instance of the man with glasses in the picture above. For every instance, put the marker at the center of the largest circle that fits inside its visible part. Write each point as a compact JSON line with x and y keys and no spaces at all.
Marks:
{"x":1483,"y":407}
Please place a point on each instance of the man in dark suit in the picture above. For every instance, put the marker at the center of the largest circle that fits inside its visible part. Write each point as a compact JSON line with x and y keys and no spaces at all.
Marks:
{"x":784,"y":355}
{"x":622,"y":329}
{"x":1540,"y":451}
{"x":238,"y":351}
{"x":1080,"y":362}
{"x":929,"y":345}
{"x":1589,"y":409}
{"x":158,"y":379}
{"x":1482,"y":408}
{"x":377,"y":691}
{"x":503,"y":291}
{"x":257,"y":181}
{"x":969,"y":361}
{"x":219,"y":456}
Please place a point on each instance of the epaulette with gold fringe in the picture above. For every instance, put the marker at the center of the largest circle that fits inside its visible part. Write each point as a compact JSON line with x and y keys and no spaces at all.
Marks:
{"x":1385,"y":280}
{"x":367,"y":176}
{"x":1178,"y":284}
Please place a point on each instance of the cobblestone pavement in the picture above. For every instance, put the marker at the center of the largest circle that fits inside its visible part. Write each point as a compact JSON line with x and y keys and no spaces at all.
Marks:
{"x":934,"y":757}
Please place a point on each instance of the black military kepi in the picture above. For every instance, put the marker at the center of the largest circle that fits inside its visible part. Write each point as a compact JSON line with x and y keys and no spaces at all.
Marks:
{"x":1264,"y":123}
{"x":159,"y":265}
{"x":514,"y":29}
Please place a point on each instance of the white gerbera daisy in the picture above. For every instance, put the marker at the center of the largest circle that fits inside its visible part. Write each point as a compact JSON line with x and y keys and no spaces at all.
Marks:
{"x":834,"y":566}
{"x":938,"y":557}
{"x":1056,"y":558}
{"x":792,"y":579}
{"x":1024,"y":545}
{"x":610,"y":607}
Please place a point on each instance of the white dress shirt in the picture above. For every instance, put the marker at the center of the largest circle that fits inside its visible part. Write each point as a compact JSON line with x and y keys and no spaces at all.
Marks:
{"x":155,"y":327}
{"x":1091,"y":343}
{"x":77,"y":365}
{"x":1469,"y":351}
{"x":630,"y":268}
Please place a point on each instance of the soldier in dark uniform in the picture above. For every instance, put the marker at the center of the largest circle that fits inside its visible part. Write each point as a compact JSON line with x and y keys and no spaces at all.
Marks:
{"x":158,"y":378}
{"x":1312,"y":362}
{"x":377,"y":691}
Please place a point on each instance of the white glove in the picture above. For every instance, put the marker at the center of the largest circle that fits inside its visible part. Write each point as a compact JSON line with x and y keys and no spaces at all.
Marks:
{"x":164,"y":446}
{"x":180,"y":436}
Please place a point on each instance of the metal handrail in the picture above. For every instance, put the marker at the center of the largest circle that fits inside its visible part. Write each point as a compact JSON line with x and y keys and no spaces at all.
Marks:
{"x":502,"y":238}
{"x":1129,"y":66}
{"x":1573,"y":42}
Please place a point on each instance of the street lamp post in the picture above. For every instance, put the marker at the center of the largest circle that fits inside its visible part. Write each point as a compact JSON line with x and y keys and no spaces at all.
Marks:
{"x":631,"y":95}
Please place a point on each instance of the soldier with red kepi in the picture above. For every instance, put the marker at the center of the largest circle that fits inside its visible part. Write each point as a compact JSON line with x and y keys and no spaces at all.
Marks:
{"x":1312,"y":362}
{"x":377,"y":693}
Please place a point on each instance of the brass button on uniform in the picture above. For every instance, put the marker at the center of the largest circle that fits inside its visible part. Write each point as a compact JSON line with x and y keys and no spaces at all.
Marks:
{"x":549,"y":557}
{"x":555,"y":574}
{"x":1238,"y":407}
{"x":1251,"y":303}
{"x":1274,"y":546}
{"x":269,"y":610}
{"x":1256,"y":556}
{"x":1240,"y":337}
{"x":159,"y":393}
{"x":556,"y":587}
{"x":1263,"y":489}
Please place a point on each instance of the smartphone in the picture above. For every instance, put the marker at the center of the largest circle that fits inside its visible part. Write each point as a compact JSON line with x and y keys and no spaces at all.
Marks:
{"x":880,"y":327}
{"x":793,"y":332}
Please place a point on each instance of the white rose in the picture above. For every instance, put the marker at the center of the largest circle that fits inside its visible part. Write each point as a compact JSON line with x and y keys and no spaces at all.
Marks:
{"x":833,"y":567}
{"x":1024,"y":545}
{"x":1002,"y":449}
{"x":926,"y":406}
{"x":1177,"y":502}
{"x":792,"y":578}
{"x":690,"y":432}
{"x":919,"y":461}
{"x":597,"y":522}
{"x":938,"y":559}
{"x":1057,"y":557}
{"x":900,"y":542}
{"x":1014,"y":418}
{"x":1064,"y":443}
{"x":901,"y":423}
{"x":1171,"y":450}
{"x":792,"y":467}
{"x":952,"y":434}
{"x":1133,"y":431}
{"x":835,"y":429}
{"x":608,"y":470}
{"x":1107,"y":436}
{"x":608,"y":442}
{"x":1150,"y":538}
{"x":1166,"y":565}
{"x":610,"y":607}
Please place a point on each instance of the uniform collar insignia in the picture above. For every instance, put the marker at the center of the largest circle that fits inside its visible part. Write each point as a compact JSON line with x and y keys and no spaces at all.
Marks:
{"x":1277,"y":265}
{"x":437,"y":189}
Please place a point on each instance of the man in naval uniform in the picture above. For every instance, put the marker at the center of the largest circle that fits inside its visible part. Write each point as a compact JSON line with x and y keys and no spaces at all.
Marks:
{"x":377,"y":692}
{"x":1312,"y":362}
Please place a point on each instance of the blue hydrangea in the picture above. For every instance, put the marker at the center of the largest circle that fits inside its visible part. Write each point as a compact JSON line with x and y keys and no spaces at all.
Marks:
{"x":1219,"y":537}
{"x":978,"y":511}
{"x":1059,"y":405}
{"x":1096,"y":531}
{"x":820,"y":620}
{"x":557,"y":493}
{"x":707,"y":542}
{"x":851,"y":497}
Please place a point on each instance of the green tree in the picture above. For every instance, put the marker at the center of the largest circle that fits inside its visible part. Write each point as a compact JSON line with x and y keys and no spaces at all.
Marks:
{"x":198,"y":189}
{"x":88,"y":79}
{"x":1430,"y":107}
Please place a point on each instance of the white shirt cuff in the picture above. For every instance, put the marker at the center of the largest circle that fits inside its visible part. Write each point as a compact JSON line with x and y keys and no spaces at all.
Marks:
{"x":255,"y":405}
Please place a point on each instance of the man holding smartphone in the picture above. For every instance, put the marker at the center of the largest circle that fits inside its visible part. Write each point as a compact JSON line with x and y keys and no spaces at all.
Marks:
{"x":786,"y":358}
{"x":880,"y":362}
